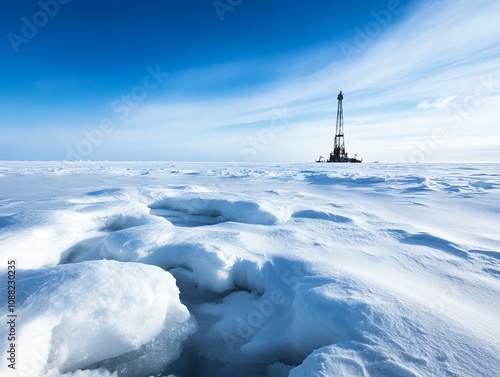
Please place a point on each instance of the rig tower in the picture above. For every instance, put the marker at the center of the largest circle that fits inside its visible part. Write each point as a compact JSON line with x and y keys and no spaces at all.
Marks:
{"x":339,"y":154}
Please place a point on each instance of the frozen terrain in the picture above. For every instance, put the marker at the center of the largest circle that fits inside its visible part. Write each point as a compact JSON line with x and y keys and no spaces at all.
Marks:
{"x":198,"y":269}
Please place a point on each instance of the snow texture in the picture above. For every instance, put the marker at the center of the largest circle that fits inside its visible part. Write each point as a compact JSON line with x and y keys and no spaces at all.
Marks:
{"x":180,"y":269}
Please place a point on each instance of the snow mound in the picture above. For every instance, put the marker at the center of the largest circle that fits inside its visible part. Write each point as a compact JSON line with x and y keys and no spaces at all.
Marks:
{"x":80,"y":316}
{"x":321,"y":215}
{"x":206,"y":210}
{"x":44,"y":238}
{"x":39,"y":237}
{"x":214,"y":266}
{"x":349,"y":359}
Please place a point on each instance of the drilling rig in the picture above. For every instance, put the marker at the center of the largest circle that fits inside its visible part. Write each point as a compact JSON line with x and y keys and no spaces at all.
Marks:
{"x":339,"y":154}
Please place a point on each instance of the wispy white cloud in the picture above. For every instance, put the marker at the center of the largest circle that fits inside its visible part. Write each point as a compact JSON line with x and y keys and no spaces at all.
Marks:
{"x":438,"y":103}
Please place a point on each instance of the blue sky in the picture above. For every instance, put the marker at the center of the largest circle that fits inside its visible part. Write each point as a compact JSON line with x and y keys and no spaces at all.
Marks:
{"x":250,"y":80}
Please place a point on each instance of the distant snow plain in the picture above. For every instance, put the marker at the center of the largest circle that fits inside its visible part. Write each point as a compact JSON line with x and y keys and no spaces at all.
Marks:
{"x":204,"y":269}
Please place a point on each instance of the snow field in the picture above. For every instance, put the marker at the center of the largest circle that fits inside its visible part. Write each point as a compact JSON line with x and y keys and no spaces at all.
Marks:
{"x":275,"y":270}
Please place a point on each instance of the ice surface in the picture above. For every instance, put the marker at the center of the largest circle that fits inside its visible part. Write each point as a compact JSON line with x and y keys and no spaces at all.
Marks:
{"x":299,"y":270}
{"x":76,"y":316}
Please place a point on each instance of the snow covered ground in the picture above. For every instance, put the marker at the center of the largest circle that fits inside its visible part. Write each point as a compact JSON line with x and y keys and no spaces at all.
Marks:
{"x":199,"y":269}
